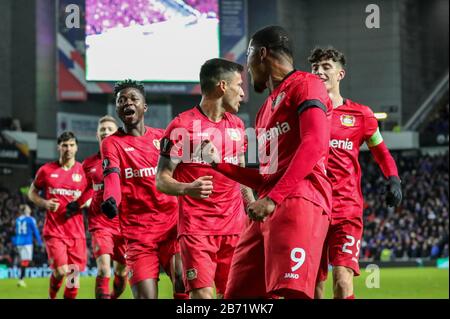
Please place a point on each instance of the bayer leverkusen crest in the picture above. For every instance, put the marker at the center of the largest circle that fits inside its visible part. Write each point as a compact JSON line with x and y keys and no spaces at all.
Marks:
{"x":278,"y":100}
{"x":347,"y":120}
{"x":157,"y":144}
{"x":234,"y":134}
{"x":76,"y":178}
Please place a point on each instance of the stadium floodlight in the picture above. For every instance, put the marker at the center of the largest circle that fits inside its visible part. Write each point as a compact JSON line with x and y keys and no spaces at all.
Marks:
{"x":381,"y":116}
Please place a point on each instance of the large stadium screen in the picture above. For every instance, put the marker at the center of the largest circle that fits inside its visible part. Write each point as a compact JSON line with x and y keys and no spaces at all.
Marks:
{"x":150,"y":40}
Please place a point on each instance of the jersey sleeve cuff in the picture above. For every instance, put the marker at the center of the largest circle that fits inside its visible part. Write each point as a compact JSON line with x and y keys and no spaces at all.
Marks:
{"x":275,"y":197}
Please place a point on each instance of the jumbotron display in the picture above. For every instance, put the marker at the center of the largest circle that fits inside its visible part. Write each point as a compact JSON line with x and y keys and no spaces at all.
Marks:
{"x":150,"y":40}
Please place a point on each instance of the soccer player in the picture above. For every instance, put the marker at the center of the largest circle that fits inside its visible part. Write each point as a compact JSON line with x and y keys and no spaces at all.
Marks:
{"x":352,"y":125}
{"x":279,"y":252}
{"x":63,"y":182}
{"x":107,"y":242}
{"x":211,"y":217}
{"x":147,"y":217}
{"x":25,"y":230}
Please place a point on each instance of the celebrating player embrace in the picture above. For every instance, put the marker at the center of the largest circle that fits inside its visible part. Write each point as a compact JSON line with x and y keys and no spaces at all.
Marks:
{"x":212,"y":213}
{"x":281,"y":255}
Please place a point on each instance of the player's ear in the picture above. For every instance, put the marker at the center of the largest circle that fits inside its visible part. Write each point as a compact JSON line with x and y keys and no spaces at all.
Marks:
{"x":145,"y":108}
{"x":262,"y":53}
{"x":341,"y":74}
{"x":222,"y":86}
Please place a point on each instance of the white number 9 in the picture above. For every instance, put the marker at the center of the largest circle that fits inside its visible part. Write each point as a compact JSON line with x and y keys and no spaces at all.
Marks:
{"x":299,"y":260}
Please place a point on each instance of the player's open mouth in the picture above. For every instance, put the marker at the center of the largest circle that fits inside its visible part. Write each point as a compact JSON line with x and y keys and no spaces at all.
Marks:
{"x":128,"y":112}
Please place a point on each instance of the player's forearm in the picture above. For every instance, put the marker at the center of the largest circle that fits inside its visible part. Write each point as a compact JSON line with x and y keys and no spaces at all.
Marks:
{"x":313,"y":147}
{"x":112,"y":188}
{"x":247,"y":195}
{"x":36,"y":199}
{"x":384,"y":160}
{"x":246,"y":176}
{"x":170,"y":186}
{"x":85,"y":196}
{"x":38,"y":239}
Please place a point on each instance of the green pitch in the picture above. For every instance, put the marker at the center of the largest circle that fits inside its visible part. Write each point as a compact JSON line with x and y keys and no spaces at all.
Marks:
{"x":399,"y":283}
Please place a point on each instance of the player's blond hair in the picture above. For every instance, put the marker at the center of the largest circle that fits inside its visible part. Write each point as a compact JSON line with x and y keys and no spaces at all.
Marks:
{"x":107,"y":118}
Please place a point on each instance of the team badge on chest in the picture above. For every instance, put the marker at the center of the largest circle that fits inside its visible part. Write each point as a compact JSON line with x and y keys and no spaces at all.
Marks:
{"x":76,"y":178}
{"x":157,"y":144}
{"x":347,"y":120}
{"x":234,"y":134}
{"x":278,"y":100}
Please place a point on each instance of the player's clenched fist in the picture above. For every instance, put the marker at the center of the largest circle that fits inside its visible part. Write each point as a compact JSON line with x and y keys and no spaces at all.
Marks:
{"x":109,"y":207}
{"x":208,"y":152}
{"x":52,"y":204}
{"x":261,"y":209}
{"x":394,"y":191}
{"x":202,"y":187}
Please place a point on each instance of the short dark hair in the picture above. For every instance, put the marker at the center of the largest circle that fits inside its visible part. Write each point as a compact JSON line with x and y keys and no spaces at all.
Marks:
{"x":214,"y":70}
{"x":121,"y":85}
{"x":274,"y":38}
{"x":319,"y":54}
{"x":67,"y":135}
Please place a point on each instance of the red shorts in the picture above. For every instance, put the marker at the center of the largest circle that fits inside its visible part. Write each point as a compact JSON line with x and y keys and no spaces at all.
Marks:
{"x":66,"y":251}
{"x":207,"y":260}
{"x":104,"y":242}
{"x":143,"y":257}
{"x":342,"y":246}
{"x":281,"y":255}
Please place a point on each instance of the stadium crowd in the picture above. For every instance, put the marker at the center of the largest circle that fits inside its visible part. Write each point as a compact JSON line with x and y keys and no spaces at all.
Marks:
{"x":438,"y":123}
{"x":419,"y":228}
{"x":102,"y":15}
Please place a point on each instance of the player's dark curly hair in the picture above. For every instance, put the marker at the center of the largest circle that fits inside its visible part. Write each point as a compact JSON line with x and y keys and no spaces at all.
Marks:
{"x":274,"y":38}
{"x":119,"y":86}
{"x":67,"y":135}
{"x":319,"y":54}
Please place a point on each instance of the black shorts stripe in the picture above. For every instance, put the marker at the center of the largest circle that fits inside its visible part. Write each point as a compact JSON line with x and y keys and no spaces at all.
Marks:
{"x":311,"y":103}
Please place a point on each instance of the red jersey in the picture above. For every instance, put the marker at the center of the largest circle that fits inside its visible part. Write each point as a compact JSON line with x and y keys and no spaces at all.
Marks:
{"x":222,"y":213}
{"x":278,"y":120}
{"x":144,"y":211}
{"x":94,"y":174}
{"x":352,"y":125}
{"x":66,"y":186}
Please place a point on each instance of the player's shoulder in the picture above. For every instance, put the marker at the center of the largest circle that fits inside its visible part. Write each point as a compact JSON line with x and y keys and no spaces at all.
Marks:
{"x":234,"y":119}
{"x":113,"y":138}
{"x":30,"y":219}
{"x":307,"y":83}
{"x":358,"y":107}
{"x":91,"y":159}
{"x":306,"y":78}
{"x":78,"y":165}
{"x":154,"y":132}
{"x":50,"y":166}
{"x":186,"y":117}
{"x":183,"y":119}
